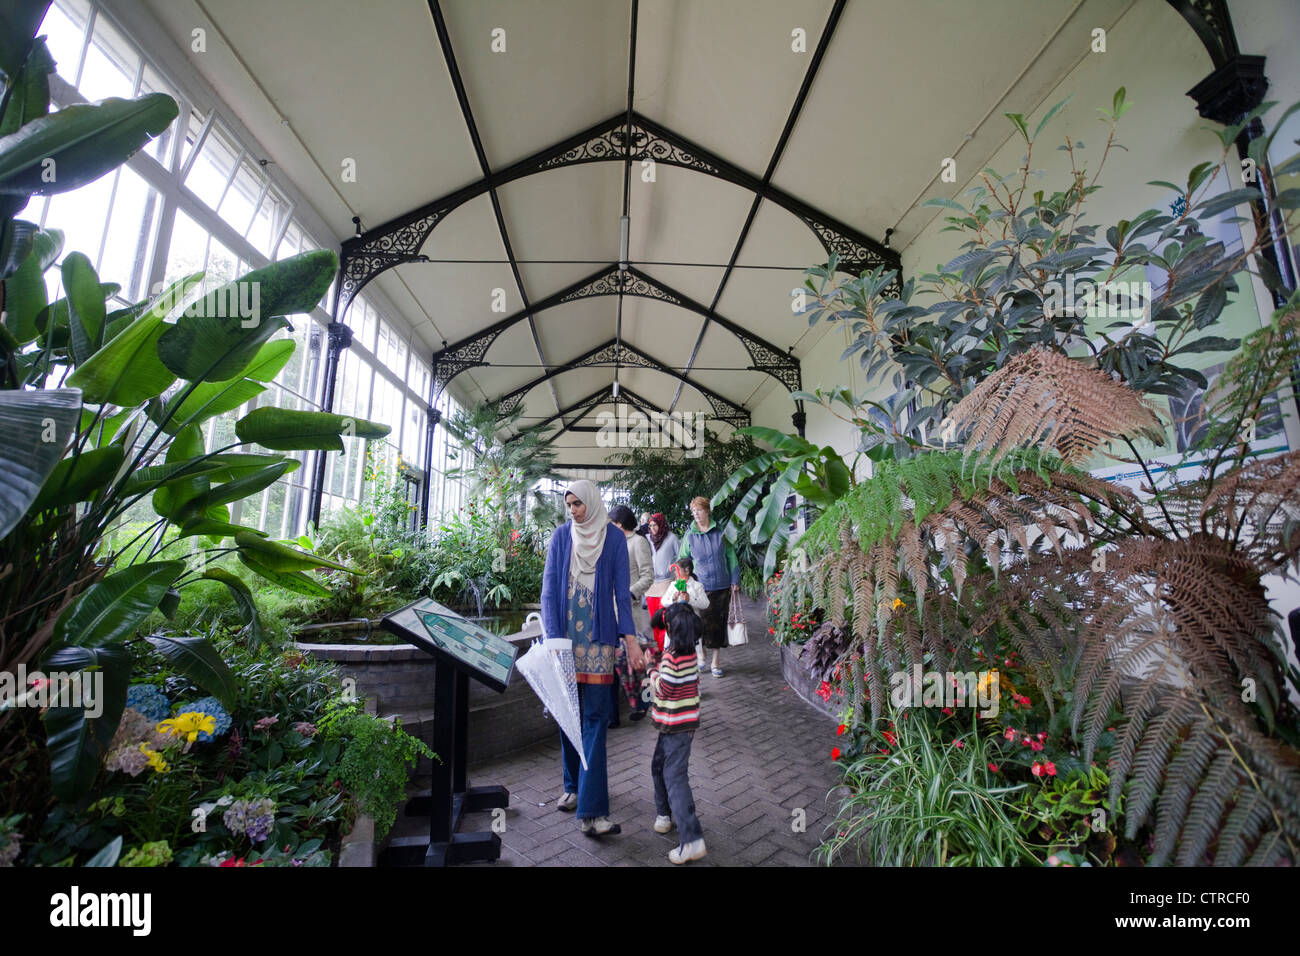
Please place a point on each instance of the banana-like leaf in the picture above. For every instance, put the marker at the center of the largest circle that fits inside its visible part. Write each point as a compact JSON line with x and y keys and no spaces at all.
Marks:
{"x":85,"y":306}
{"x":25,"y":292}
{"x":207,"y":401}
{"x":239,"y":489}
{"x":285,"y":429}
{"x":220,"y":335}
{"x":78,"y":144}
{"x":110,"y":610}
{"x":78,"y":743}
{"x":77,"y":478}
{"x":171,"y":498}
{"x":281,"y":557}
{"x":19,"y":22}
{"x":127,"y":370}
{"x":218,"y":467}
{"x":108,"y":855}
{"x":213,"y":528}
{"x":295,"y":581}
{"x":243,"y":597}
{"x":37,"y":427}
{"x":195,"y":658}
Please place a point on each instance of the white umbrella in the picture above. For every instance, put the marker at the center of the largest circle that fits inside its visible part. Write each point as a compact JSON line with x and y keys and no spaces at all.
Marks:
{"x":549,"y":669}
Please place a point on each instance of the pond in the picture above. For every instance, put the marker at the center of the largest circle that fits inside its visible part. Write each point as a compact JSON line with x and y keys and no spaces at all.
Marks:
{"x":505,"y":622}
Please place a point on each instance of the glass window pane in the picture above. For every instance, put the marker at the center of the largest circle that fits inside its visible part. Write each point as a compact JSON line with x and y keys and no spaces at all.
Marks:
{"x":151,"y":82}
{"x":65,"y":35}
{"x":267,"y":221}
{"x":189,"y":248}
{"x":81,"y":214}
{"x":112,"y":64}
{"x":240,"y":201}
{"x":212,"y":169}
{"x":126,"y":258}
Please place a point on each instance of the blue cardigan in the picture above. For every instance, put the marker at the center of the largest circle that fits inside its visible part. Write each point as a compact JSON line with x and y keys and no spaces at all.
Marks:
{"x":613,"y":594}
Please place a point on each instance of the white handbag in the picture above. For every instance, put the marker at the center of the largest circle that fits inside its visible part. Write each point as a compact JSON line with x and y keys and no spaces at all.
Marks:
{"x":736,"y":633}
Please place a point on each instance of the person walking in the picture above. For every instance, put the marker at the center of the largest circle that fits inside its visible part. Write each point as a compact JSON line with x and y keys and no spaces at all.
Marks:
{"x":586,"y":598}
{"x":675,"y":686}
{"x":641,"y":575}
{"x":664,"y":546}
{"x":719,"y":572}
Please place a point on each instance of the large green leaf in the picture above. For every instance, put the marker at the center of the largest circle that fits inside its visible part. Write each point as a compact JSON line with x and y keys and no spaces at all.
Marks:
{"x":36,"y":428}
{"x":85,"y":306}
{"x":19,"y":21}
{"x":25,"y":291}
{"x":284,"y":429}
{"x":281,"y":557}
{"x":79,"y":477}
{"x":271,"y":360}
{"x":243,"y":597}
{"x":78,"y":743}
{"x":295,"y":581}
{"x":30,"y":97}
{"x":108,"y":855}
{"x":239,"y":488}
{"x":221,"y":467}
{"x":111,"y":610}
{"x":219,"y":336}
{"x":206,"y":401}
{"x":195,"y":658}
{"x":171,"y":498}
{"x":127,"y":370}
{"x":78,"y":144}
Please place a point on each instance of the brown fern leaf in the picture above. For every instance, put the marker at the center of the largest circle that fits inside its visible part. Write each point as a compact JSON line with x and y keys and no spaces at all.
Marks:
{"x":1258,"y":508}
{"x":1046,"y":399}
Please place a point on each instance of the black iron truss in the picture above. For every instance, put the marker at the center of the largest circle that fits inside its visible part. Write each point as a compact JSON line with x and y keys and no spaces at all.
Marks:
{"x":580,"y":408}
{"x":470,"y":352}
{"x":400,"y":239}
{"x":621,"y":354}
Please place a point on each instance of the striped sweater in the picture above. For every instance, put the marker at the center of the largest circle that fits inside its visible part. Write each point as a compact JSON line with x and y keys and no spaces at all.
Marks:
{"x":675,"y":706}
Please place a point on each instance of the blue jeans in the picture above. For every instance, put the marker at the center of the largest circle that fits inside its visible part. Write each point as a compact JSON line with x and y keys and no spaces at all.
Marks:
{"x":673,"y":787}
{"x":591,"y":785}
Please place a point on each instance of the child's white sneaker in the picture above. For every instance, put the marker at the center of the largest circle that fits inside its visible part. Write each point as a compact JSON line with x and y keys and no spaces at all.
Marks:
{"x":694,"y":850}
{"x":663,"y":824}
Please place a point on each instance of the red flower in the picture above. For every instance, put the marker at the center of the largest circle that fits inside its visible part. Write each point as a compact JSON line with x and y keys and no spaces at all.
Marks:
{"x":1010,"y":733}
{"x":1025,"y":742}
{"x":824,"y":691}
{"x":835,"y":753}
{"x":958,"y":744}
{"x":839,"y":731}
{"x":771,"y":630}
{"x":1036,"y":769}
{"x":1035,"y":745}
{"x":1049,"y":768}
{"x":993,"y":767}
{"x":893,"y":741}
{"x":946,"y":710}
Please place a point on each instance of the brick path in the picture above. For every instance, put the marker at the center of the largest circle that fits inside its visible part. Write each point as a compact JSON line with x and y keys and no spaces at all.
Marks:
{"x":760,"y":754}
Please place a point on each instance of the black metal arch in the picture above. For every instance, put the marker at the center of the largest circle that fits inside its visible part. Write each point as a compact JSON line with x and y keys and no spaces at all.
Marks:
{"x":469,"y":352}
{"x":611,"y":352}
{"x":599,"y":397}
{"x":399,"y":240}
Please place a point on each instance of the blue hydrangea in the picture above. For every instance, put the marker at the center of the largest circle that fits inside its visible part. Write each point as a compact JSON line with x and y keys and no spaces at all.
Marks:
{"x":149,"y":700}
{"x":212,"y":707}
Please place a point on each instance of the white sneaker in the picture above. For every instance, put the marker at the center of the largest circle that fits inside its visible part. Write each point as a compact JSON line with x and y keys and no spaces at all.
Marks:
{"x":695,"y":850}
{"x":567,"y":802}
{"x":599,"y":827}
{"x":663,"y":824}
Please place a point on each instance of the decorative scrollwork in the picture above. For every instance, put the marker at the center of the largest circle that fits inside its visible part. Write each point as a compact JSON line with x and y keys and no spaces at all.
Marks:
{"x":784,"y":368}
{"x":612,"y":144}
{"x":362,"y":264}
{"x":451,"y":362}
{"x":615,"y":281}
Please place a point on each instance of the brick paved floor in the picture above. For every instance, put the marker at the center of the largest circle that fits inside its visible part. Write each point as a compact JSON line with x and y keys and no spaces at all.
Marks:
{"x":761,"y":754}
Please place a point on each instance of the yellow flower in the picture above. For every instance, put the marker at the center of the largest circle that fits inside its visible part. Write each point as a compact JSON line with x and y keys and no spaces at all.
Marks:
{"x":984,"y":681}
{"x":189,"y":725}
{"x":155,"y":758}
{"x":898,"y":602}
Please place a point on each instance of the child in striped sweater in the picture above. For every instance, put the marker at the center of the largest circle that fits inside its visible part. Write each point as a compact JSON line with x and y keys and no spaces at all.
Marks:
{"x":675,"y":708}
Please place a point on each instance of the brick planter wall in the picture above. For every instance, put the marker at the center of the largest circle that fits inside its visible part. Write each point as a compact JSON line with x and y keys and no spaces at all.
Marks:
{"x":803,"y":683}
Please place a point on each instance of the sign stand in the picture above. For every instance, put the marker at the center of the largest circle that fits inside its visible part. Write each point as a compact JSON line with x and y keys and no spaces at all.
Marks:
{"x":460,"y":650}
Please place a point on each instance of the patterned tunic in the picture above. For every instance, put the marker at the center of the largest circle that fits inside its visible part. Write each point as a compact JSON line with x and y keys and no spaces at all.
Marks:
{"x":594,"y":661}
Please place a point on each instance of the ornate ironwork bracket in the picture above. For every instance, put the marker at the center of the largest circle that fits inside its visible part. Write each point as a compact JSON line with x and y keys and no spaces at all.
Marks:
{"x":611,"y":353}
{"x":365,"y":257}
{"x":579,"y":409}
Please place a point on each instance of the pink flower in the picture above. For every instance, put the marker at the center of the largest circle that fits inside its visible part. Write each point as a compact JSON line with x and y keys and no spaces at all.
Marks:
{"x":1010,"y":733}
{"x":993,"y":767}
{"x":1049,"y":768}
{"x":1036,"y":769}
{"x":946,"y":710}
{"x":958,"y":744}
{"x":1035,"y":745}
{"x":266,"y":723}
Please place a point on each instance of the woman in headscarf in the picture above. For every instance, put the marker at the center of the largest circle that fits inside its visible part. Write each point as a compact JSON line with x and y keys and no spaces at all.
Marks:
{"x":663,"y":546}
{"x":586,"y":598}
